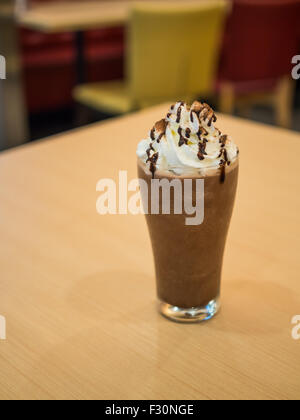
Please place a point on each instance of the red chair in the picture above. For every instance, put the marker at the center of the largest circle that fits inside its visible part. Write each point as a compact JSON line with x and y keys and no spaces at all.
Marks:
{"x":48,"y":69}
{"x":104,"y":52}
{"x":260,"y":41}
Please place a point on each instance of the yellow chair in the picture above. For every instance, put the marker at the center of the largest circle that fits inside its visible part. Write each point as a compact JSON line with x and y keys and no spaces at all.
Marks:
{"x":172,"y":55}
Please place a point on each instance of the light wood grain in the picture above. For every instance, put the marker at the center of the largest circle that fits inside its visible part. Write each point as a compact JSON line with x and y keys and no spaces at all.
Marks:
{"x":80,"y":15}
{"x":78,"y":290}
{"x":70,"y":16}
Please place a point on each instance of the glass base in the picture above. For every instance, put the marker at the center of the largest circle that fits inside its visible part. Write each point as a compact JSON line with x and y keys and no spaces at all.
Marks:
{"x":189,"y":315}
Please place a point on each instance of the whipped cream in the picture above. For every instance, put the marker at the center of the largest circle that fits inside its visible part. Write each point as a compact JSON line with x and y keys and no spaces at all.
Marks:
{"x":187,"y":141}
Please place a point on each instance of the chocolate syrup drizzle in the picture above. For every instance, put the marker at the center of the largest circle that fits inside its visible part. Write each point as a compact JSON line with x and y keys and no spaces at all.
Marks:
{"x":148,"y":151}
{"x":179,"y":111}
{"x":160,"y":126}
{"x":202,"y":152}
{"x":152,"y":134}
{"x":182,"y":140}
{"x":201,"y":111}
{"x":223,"y":140}
{"x":223,"y":162}
{"x":202,"y":132}
{"x":204,"y":111}
{"x":152,"y":159}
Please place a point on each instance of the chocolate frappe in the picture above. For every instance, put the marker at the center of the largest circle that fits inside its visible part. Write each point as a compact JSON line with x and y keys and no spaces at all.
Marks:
{"x":189,"y":256}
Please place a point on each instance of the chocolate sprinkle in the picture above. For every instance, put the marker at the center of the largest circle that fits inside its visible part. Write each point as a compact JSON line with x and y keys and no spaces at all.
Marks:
{"x":159,"y":127}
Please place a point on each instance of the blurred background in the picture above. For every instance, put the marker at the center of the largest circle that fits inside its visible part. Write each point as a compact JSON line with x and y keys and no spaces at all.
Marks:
{"x":71,"y":63}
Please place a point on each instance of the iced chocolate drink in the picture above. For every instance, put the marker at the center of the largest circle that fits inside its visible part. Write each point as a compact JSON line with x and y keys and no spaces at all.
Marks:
{"x":186,"y":152}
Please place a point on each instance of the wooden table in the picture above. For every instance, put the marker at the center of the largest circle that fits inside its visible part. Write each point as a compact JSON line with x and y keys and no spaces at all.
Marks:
{"x":70,"y":16}
{"x":78,"y":290}
{"x":79,"y":15}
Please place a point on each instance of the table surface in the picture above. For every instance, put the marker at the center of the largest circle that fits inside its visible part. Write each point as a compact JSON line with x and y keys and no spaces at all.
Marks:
{"x":78,"y":289}
{"x":75,"y":16}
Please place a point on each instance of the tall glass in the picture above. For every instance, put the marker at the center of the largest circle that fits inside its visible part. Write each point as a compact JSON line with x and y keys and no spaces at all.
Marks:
{"x":189,"y":258}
